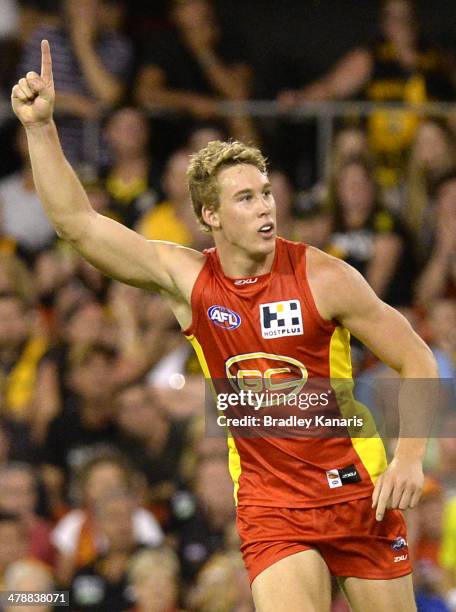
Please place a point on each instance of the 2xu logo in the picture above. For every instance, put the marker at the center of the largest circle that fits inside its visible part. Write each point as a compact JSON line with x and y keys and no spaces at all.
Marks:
{"x":224,"y":317}
{"x":246,"y":281}
{"x":264,"y":372}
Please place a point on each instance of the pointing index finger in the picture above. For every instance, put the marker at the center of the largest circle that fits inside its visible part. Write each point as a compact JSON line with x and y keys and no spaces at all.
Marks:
{"x":46,"y":61}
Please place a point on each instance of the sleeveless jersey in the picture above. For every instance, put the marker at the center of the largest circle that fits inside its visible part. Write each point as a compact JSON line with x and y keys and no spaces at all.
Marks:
{"x":267,"y":321}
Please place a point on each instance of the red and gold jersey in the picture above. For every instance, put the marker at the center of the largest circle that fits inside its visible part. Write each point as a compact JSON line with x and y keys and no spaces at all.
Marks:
{"x":269,"y":324}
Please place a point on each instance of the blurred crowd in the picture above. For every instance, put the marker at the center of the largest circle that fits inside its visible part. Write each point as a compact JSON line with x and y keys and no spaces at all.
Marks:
{"x":109,"y":487}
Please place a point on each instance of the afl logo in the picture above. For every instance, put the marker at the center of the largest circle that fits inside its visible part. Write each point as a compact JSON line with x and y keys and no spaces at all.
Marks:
{"x":224,"y":317}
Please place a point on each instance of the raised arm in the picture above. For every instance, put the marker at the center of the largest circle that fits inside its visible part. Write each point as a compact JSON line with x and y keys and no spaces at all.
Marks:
{"x":390,"y":337}
{"x":344,"y":80}
{"x":111,"y":247}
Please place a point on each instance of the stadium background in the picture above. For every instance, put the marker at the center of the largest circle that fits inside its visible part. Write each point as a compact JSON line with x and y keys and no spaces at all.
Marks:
{"x":108,"y":486}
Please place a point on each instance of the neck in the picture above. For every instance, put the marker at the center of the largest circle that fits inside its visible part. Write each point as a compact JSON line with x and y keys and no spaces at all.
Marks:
{"x":238,"y":263}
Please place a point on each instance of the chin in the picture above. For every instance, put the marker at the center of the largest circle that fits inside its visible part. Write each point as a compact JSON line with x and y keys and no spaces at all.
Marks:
{"x":261,"y":248}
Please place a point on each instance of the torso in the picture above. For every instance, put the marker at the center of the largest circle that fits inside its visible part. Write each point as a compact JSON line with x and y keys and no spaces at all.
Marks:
{"x":279,"y":323}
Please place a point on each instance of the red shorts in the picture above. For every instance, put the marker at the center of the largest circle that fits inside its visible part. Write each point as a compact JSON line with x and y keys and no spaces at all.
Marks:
{"x":347,"y":535}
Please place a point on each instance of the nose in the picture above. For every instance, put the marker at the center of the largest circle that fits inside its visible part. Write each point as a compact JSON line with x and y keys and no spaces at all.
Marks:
{"x":264,"y":206}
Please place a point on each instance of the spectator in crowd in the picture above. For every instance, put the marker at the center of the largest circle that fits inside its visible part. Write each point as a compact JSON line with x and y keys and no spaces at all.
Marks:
{"x":22,"y":218}
{"x":153,"y":441}
{"x":77,"y":537}
{"x":24,"y":381}
{"x":19,"y":496}
{"x":173,"y":219}
{"x":201,"y":516}
{"x":444,"y":469}
{"x":132,"y":179}
{"x":194,"y":66}
{"x":15,"y":442}
{"x":15,"y":275}
{"x":438,"y":278}
{"x":442,"y":327}
{"x":102,"y":585}
{"x":432,"y":155}
{"x":284,"y":196}
{"x":399,"y":66}
{"x":29,"y":576}
{"x":424,"y":540}
{"x":9,"y":11}
{"x":366,"y":235}
{"x":154,"y":577}
{"x":447,"y":552}
{"x":203,"y":134}
{"x":223,"y":585}
{"x":85,"y":425}
{"x":92,"y":61}
{"x":13,"y":542}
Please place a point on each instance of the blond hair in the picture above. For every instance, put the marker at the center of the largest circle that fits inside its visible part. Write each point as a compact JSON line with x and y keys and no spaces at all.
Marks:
{"x":206,"y":164}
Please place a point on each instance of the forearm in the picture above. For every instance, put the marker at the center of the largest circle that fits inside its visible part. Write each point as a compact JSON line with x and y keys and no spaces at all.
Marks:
{"x":224,"y":79}
{"x":418,"y":403}
{"x":60,"y":191}
{"x":162,"y":97}
{"x":316,"y":92}
{"x":76,"y":105}
{"x":104,"y":86}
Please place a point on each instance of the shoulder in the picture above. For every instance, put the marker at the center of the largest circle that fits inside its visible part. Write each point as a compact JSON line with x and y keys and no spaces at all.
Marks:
{"x":324,"y":267}
{"x":335,"y":285}
{"x":183,"y":263}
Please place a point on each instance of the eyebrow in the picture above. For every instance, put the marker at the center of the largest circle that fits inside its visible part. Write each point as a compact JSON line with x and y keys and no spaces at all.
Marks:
{"x":250,"y":190}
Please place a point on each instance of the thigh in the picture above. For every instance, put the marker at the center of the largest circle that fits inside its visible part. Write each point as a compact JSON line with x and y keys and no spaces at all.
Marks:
{"x":293,"y":584}
{"x":380,"y":595}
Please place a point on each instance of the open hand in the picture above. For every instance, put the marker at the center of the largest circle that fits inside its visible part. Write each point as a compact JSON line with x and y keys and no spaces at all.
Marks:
{"x":399,"y":486}
{"x":32,"y":98}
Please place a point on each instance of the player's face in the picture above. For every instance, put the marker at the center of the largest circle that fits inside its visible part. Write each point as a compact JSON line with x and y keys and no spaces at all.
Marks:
{"x":246,"y":216}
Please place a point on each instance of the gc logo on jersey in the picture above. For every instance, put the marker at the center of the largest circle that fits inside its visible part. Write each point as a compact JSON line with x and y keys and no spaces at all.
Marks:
{"x":281,"y":319}
{"x":224,"y":317}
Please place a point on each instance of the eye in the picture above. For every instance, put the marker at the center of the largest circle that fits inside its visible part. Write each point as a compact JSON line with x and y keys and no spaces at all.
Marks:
{"x":246,"y":197}
{"x":267,"y":193}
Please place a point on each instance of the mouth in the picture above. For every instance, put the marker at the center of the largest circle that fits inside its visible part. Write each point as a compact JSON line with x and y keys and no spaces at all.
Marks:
{"x":267,"y":230}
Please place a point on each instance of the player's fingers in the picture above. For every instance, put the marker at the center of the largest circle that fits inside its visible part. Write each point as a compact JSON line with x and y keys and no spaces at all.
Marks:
{"x":416,"y":497}
{"x":18,"y":94}
{"x":36,"y":84}
{"x":396,"y":494}
{"x":377,"y":489}
{"x":26,"y":89}
{"x":46,"y":61}
{"x":383,"y":500}
{"x":406,"y":499}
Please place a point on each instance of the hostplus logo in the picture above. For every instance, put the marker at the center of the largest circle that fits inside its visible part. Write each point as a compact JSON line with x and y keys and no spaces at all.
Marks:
{"x":281,"y":319}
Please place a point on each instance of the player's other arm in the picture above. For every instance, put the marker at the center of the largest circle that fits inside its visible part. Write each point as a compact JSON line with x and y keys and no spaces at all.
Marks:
{"x":113,"y":248}
{"x":390,"y":337}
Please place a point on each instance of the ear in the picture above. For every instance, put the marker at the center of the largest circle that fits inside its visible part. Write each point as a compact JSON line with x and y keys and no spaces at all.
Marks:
{"x":211,"y":217}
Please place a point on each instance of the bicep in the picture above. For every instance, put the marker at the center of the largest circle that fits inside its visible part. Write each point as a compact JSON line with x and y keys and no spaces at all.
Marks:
{"x":125,"y":255}
{"x":385,"y":331}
